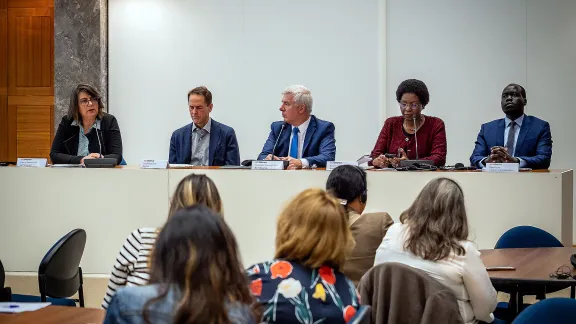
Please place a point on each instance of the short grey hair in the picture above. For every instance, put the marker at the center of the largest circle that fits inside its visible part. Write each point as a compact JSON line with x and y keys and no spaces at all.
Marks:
{"x":301,"y":95}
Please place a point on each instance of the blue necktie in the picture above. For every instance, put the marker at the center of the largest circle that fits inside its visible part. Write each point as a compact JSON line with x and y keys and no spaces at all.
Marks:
{"x":294,"y":144}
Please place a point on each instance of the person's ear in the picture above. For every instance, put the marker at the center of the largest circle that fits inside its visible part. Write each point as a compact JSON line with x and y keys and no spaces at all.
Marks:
{"x":210,"y":107}
{"x":525,"y":101}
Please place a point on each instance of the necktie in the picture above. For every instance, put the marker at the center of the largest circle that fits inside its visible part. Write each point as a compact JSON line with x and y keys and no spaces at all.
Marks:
{"x":294,"y":144}
{"x":511,"y":135}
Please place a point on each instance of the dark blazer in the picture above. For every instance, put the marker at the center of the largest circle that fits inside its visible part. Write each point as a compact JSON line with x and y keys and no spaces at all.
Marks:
{"x":319,"y":143}
{"x":534,"y":144}
{"x":65,"y":143}
{"x":222,"y":150}
{"x":401,"y":294}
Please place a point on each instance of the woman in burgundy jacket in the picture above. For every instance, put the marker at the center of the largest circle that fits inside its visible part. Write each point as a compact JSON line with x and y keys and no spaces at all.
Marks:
{"x":397,"y":140}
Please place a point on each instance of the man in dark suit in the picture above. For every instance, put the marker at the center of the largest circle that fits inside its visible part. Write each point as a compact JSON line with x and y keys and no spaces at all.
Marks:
{"x":301,"y":139}
{"x":204,"y":141}
{"x":517,"y":138}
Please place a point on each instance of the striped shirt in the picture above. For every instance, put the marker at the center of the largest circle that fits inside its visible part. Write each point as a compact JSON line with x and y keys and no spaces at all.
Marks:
{"x":131,"y":268}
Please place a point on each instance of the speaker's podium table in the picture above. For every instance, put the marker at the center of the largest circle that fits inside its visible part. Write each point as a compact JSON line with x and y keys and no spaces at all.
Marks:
{"x":39,"y":205}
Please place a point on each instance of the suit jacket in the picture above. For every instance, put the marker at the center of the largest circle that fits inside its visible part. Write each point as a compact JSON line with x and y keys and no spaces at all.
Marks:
{"x":65,"y":144}
{"x":368,"y":231}
{"x":319,"y":143}
{"x":401,"y":294}
{"x":534,"y":144}
{"x":222,"y":150}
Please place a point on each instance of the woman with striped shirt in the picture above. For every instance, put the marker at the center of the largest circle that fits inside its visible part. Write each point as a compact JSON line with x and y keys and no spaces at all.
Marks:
{"x":131,"y":267}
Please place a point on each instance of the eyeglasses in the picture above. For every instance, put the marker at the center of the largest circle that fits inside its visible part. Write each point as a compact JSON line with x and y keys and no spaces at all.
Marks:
{"x":413,"y":106}
{"x":85,"y":101}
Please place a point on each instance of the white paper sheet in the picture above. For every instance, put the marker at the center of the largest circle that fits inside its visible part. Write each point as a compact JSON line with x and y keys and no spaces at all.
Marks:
{"x":9,"y":307}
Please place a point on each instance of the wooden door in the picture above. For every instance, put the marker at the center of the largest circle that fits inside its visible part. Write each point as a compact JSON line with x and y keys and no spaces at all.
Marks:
{"x":26,"y":78}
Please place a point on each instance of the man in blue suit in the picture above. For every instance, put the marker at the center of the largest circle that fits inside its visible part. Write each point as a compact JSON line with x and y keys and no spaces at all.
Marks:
{"x":517,"y":138}
{"x":204,"y":141}
{"x":301,"y":139}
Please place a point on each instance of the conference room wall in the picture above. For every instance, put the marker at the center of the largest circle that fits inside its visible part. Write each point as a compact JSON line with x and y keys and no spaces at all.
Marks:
{"x":468,"y":51}
{"x":246,"y":52}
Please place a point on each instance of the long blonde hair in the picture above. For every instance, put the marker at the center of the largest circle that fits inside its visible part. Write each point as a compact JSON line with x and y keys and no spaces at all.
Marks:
{"x":196,"y":189}
{"x":313,"y":230}
{"x":437,"y":221}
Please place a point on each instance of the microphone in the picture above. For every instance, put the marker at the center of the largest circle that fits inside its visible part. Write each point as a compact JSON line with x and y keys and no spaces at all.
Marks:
{"x":277,"y":139}
{"x":415,"y":136}
{"x":458,"y":165}
{"x":99,"y":144}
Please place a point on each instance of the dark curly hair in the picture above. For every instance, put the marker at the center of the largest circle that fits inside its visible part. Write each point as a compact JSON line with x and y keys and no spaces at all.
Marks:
{"x":416,"y":87}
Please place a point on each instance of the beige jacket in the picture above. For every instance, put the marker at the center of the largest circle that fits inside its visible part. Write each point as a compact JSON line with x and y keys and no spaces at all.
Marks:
{"x":368,"y":231}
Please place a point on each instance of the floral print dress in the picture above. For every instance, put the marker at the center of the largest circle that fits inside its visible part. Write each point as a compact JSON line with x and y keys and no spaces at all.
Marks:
{"x":291,"y":293}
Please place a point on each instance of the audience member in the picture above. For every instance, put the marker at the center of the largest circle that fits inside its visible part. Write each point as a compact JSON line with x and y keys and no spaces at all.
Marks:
{"x":131,"y":267}
{"x":304,"y":283}
{"x":433,"y":236}
{"x":348,"y":183}
{"x":196,"y":276}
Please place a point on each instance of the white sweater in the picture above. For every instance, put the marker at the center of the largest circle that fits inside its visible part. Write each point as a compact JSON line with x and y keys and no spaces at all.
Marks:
{"x":465,"y":275}
{"x":131,"y":267}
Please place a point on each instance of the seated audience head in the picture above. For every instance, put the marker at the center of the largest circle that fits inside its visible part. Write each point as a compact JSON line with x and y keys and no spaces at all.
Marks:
{"x":312,"y":230}
{"x":85,"y":104}
{"x":513,"y":100}
{"x":200,"y":105}
{"x":348,"y":183}
{"x":437,"y":221}
{"x":296,"y":105}
{"x":413,"y":96}
{"x":196,"y":189}
{"x":196,"y":252}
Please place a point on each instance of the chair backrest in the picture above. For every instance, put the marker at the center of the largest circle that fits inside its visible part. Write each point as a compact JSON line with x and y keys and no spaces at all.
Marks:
{"x":398,"y":293}
{"x":551,"y":310}
{"x":58,"y":273}
{"x":2,"y":275}
{"x":527,"y":237}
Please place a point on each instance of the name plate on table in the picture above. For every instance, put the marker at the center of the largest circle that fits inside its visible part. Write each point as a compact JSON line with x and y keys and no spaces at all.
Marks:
{"x":33,"y":163}
{"x":502,"y":167}
{"x":267,"y":165}
{"x":153,"y":164}
{"x":331,"y":165}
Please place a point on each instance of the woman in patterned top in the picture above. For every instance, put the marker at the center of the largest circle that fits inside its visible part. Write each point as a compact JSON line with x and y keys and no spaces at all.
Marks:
{"x":303,"y":284}
{"x":131,"y":267}
{"x":196,"y":276}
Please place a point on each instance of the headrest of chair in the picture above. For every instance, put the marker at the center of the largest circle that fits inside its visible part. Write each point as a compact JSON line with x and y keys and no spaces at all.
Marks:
{"x":63,"y":258}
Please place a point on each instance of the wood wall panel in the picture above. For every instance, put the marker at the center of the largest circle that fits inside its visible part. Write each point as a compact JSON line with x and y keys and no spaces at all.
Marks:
{"x":29,"y":3}
{"x":3,"y":4}
{"x":31,"y":51}
{"x":3,"y":50}
{"x":7,"y":132}
{"x":34,"y":130}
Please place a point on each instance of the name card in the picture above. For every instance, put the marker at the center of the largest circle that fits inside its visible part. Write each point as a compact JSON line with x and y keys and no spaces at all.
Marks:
{"x":267,"y":165}
{"x":153,"y":164}
{"x":32,"y":163}
{"x":502,"y":167}
{"x":331,"y":165}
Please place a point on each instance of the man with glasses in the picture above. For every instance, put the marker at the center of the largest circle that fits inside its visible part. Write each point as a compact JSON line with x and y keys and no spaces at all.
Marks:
{"x":204,"y":141}
{"x":411,"y":136}
{"x":516,"y":138}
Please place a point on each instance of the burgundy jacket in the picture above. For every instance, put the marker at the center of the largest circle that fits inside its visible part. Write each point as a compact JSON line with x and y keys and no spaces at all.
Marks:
{"x":431,"y":140}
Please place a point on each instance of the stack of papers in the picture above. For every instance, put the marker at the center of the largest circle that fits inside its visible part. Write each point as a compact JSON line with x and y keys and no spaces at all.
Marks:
{"x":21,"y":307}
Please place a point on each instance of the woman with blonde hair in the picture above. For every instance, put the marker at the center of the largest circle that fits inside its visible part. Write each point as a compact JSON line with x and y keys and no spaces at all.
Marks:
{"x":196,"y":276}
{"x":304,"y":282}
{"x":131,"y":267}
{"x":433,"y":236}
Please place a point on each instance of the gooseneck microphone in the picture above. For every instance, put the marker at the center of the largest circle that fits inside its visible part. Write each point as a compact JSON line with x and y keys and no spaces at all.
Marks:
{"x":277,"y":139}
{"x":99,"y":143}
{"x":415,"y":136}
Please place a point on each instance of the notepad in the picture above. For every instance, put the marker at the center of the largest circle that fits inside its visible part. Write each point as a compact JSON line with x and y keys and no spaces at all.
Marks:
{"x":9,"y":307}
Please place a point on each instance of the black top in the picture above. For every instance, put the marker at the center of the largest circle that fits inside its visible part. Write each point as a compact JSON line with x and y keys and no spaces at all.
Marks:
{"x":65,"y":145}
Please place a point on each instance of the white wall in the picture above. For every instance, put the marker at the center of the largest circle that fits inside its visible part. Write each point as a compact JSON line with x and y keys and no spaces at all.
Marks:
{"x":245,"y":52}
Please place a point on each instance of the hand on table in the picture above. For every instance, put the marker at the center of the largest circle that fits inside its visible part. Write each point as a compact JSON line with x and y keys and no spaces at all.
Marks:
{"x":91,"y":156}
{"x":272,"y":157}
{"x":499,"y":154}
{"x":293,"y":164}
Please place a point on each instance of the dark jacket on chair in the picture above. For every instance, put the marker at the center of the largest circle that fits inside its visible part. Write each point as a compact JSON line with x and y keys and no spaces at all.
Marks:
{"x":108,"y":141}
{"x":401,"y":294}
{"x":222,"y":150}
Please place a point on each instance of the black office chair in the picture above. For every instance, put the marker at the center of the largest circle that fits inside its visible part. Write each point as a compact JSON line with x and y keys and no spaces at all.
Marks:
{"x":5,"y":292}
{"x":59,"y":273}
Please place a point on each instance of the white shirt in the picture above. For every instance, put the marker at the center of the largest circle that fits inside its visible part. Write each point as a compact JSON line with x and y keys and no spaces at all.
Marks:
{"x":301,"y":135}
{"x":465,"y":275}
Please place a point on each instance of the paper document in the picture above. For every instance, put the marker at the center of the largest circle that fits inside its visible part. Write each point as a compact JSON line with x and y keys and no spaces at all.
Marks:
{"x":9,"y":307}
{"x":364,"y":159}
{"x":66,"y":166}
